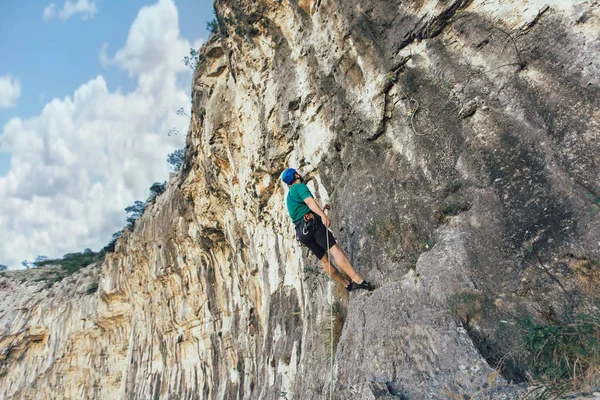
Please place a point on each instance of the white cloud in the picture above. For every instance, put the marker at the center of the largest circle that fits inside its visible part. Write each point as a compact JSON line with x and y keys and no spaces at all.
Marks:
{"x":10,"y":91}
{"x":152,"y":39}
{"x":84,"y":8}
{"x":50,"y":12}
{"x":104,"y":59}
{"x":77,"y":165}
{"x":87,"y":9}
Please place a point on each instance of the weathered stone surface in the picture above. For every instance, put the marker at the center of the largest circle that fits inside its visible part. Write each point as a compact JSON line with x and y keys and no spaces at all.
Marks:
{"x":211,"y":297}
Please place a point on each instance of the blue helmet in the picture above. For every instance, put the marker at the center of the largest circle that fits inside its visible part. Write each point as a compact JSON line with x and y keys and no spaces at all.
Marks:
{"x":288,"y":175}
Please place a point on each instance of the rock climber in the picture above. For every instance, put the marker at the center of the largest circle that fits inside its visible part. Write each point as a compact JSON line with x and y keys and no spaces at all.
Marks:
{"x":312,"y":225}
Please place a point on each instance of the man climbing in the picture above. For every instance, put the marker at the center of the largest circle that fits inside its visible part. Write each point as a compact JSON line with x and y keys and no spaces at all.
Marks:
{"x":311,"y":230}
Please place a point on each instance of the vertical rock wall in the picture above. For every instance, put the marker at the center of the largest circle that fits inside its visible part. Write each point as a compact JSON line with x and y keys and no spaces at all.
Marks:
{"x":458,"y":143}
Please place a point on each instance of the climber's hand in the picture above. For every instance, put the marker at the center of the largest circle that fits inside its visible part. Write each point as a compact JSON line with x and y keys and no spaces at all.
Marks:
{"x":326,"y":221}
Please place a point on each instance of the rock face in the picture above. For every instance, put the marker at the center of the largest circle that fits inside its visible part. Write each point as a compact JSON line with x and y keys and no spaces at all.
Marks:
{"x":458,"y":143}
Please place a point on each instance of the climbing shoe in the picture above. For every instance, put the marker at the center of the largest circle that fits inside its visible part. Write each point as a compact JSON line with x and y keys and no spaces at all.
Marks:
{"x":364,"y":285}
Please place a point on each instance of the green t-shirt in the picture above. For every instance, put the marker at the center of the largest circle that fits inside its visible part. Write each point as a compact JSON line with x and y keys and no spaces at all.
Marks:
{"x":299,"y":192}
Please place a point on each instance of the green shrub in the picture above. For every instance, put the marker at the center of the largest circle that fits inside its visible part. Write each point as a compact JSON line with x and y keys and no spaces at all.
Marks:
{"x":241,"y":20}
{"x":595,"y":198}
{"x":565,"y":354}
{"x":450,"y":209}
{"x":73,"y":262}
{"x":412,"y":262}
{"x":92,"y":288}
{"x":213,"y":26}
{"x":455,"y":208}
{"x":175,"y":159}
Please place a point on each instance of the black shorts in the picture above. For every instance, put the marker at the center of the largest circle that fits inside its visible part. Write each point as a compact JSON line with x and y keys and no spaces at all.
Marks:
{"x":314,"y":236}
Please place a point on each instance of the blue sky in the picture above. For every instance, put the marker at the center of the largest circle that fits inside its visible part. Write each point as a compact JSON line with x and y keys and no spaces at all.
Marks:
{"x":83,"y":131}
{"x":53,"y":58}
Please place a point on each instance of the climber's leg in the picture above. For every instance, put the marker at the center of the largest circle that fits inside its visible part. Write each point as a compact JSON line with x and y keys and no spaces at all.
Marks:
{"x":330,"y":269}
{"x":342,"y":261}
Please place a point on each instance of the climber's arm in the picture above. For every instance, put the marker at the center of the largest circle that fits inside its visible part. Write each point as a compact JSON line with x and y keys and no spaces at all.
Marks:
{"x":314,"y":207}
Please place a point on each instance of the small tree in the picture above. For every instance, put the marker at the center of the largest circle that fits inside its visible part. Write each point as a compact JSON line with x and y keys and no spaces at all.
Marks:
{"x":213,"y":26}
{"x":3,"y":267}
{"x":192,"y":60}
{"x":27,"y":264}
{"x":136,"y":211}
{"x":182,"y":111}
{"x":175,"y":159}
{"x":40,"y":261}
{"x":156,"y":189}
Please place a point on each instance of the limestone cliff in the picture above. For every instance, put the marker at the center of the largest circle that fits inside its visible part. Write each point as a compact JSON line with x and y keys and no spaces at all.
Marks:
{"x":458,"y":143}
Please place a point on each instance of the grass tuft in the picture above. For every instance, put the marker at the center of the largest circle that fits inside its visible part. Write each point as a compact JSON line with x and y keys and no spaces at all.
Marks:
{"x":467,"y":305}
{"x":563,"y":355}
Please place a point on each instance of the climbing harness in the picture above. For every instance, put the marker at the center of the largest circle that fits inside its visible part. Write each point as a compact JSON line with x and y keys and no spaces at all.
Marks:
{"x":307,"y":223}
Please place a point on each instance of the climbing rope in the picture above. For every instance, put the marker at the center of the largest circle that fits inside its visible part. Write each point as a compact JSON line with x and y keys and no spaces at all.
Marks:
{"x":330,"y":314}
